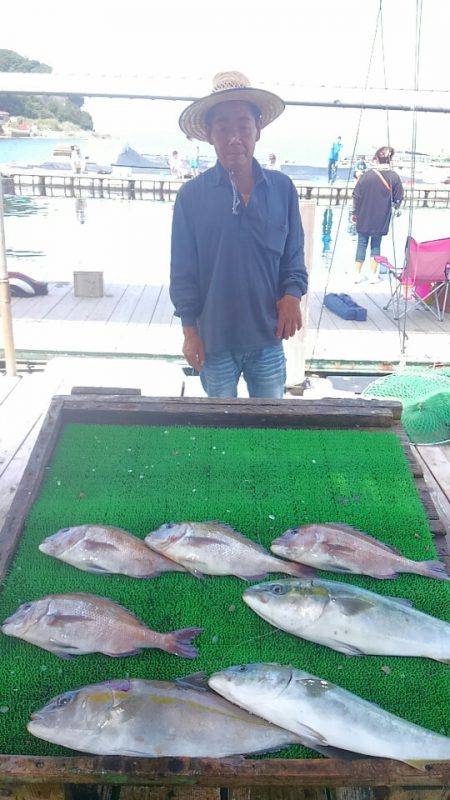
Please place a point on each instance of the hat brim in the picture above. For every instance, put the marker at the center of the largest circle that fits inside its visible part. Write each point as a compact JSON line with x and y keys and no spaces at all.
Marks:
{"x":192,"y":120}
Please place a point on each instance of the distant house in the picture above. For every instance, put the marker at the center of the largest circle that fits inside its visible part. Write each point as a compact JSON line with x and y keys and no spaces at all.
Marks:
{"x":4,"y":117}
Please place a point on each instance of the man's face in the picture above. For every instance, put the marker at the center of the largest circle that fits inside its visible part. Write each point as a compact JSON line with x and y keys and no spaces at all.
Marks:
{"x":234,"y":132}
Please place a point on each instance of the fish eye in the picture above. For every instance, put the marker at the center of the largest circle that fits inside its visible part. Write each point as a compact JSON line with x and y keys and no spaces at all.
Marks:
{"x":64,"y":700}
{"x":243,"y":668}
{"x":278,"y":589}
{"x":26,"y":606}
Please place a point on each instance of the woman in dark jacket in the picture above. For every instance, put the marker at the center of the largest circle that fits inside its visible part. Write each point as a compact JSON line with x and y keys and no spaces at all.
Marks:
{"x":376,"y":192}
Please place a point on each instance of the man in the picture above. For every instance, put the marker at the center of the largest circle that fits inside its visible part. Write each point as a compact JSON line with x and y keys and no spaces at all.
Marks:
{"x":194,"y":159}
{"x":75,"y":159}
{"x":237,"y":269}
{"x":333,"y":159}
{"x":175,"y":166}
{"x":360,"y":167}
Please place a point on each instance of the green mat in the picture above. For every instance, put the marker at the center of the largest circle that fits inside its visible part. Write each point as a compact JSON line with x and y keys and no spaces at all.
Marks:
{"x":260,"y":481}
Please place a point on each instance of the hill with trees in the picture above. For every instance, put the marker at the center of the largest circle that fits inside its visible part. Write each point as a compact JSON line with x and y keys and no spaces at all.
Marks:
{"x":41,"y":108}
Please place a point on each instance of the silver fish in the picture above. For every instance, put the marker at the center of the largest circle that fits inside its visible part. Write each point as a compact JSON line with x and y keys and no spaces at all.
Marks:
{"x":153,"y":718}
{"x":341,"y":548}
{"x":214,"y":548}
{"x":349,"y":619}
{"x":326,"y":715}
{"x":105,"y":549}
{"x":75,"y":624}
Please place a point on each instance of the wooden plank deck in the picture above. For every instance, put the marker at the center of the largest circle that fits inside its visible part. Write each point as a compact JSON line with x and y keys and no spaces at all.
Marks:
{"x":138,"y":320}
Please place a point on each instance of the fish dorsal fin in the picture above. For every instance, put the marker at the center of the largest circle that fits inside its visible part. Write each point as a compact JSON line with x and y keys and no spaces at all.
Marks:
{"x":91,"y":599}
{"x":365,"y":537}
{"x":401,"y":600}
{"x":197,"y":680}
{"x":238,"y":536}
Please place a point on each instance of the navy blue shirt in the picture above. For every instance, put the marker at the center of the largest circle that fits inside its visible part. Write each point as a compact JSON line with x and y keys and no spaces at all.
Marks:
{"x":228,"y":270}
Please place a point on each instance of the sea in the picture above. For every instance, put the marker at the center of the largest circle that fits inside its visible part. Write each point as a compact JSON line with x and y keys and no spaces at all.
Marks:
{"x":129,"y":240}
{"x":35,"y":151}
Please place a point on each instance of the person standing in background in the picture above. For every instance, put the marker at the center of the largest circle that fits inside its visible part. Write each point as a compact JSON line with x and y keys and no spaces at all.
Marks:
{"x":374,"y":195}
{"x":194,"y":161}
{"x":272,"y":163}
{"x":75,"y":159}
{"x":360,"y":167}
{"x":175,"y":166}
{"x":333,"y":159}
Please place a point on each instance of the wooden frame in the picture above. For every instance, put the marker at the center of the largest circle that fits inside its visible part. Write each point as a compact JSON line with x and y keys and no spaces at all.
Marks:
{"x":109,"y":406}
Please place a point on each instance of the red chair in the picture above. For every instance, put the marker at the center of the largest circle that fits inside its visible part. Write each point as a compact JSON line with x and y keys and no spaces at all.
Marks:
{"x":425,"y":276}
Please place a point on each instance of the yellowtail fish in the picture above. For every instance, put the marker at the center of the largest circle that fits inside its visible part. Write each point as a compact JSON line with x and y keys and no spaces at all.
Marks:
{"x":349,"y":619}
{"x":326,"y":715}
{"x":154,"y":718}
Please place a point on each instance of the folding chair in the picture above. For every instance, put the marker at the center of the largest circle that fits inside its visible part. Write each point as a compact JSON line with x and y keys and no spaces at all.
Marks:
{"x":425,"y":276}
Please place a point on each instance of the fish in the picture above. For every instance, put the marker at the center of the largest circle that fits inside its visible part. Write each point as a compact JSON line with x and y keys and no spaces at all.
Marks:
{"x":214,"y":548}
{"x":327,"y":715}
{"x":106,"y":550}
{"x":149,"y":718}
{"x":341,"y":548}
{"x":75,"y":624}
{"x":349,"y":619}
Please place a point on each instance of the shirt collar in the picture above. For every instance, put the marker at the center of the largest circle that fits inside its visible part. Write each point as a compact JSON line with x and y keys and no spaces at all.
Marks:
{"x":221,"y":175}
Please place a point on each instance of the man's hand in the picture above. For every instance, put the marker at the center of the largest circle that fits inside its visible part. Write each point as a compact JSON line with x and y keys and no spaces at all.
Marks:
{"x":193,"y":349}
{"x":289,"y":316}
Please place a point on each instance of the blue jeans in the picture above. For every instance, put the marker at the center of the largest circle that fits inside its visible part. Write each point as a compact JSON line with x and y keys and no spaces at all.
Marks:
{"x":332,"y":168}
{"x":363,"y":241}
{"x":264,"y":372}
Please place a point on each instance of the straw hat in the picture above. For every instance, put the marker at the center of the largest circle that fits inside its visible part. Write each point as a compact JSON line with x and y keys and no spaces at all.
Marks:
{"x":229,"y":86}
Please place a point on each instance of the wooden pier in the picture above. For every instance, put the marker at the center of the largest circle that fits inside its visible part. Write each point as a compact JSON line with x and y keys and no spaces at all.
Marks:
{"x":60,"y":183}
{"x":137,"y":320}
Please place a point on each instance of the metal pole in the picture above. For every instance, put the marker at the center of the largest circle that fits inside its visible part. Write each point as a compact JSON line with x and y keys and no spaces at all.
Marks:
{"x":5,"y":298}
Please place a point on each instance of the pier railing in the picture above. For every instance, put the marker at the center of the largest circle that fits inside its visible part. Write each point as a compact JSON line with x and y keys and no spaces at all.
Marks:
{"x":165,"y":189}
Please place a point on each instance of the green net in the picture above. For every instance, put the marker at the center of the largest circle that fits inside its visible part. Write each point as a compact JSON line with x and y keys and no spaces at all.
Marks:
{"x":425,"y":394}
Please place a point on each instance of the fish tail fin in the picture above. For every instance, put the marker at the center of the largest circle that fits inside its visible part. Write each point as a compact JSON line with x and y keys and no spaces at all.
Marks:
{"x":180,"y":642}
{"x":297,"y":570}
{"x":432,"y":569}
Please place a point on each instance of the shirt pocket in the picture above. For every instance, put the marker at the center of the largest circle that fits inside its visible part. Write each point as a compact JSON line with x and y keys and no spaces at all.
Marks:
{"x":275,"y":237}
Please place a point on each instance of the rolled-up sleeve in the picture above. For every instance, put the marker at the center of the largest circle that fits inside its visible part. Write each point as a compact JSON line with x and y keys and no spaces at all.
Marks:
{"x":184,"y":287}
{"x":293,"y":273}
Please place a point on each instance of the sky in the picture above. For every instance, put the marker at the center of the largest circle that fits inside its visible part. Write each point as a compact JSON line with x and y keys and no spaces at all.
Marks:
{"x":290,"y":42}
